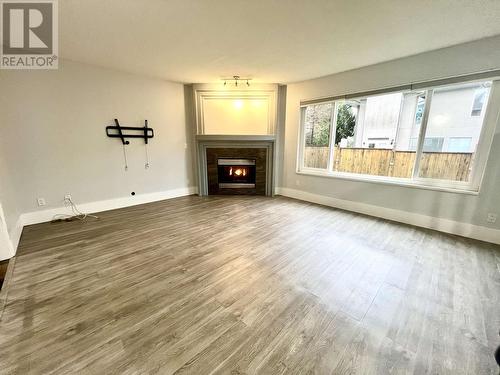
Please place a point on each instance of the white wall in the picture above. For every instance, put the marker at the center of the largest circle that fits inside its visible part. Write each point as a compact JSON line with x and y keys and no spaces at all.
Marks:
{"x":53,"y":140}
{"x":8,"y":210}
{"x":467,"y":58}
{"x":9,"y":213}
{"x":7,"y":192}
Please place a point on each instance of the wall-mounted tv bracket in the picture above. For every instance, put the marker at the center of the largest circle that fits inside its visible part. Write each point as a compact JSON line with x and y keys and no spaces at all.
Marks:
{"x":121,"y":132}
{"x":118,"y":131}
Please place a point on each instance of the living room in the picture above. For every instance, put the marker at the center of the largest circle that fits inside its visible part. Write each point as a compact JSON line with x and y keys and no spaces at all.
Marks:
{"x":249,"y":187}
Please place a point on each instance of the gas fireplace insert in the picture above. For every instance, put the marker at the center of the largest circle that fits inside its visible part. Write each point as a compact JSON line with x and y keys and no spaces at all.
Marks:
{"x":236,"y":173}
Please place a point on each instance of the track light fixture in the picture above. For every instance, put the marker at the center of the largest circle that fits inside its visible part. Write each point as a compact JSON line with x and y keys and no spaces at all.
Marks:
{"x":236,"y":80}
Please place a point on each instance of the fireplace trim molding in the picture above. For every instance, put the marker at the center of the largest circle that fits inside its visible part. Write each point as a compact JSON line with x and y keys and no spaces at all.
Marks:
{"x":234,"y":141}
{"x":206,"y":92}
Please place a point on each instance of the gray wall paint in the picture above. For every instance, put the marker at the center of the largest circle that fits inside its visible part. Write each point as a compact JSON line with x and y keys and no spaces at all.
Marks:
{"x":54,"y":141}
{"x":280,"y":134}
{"x":463,"y":59}
{"x":191,"y":130}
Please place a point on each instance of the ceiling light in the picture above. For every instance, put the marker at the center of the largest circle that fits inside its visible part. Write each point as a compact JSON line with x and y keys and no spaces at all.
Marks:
{"x":236,"y":80}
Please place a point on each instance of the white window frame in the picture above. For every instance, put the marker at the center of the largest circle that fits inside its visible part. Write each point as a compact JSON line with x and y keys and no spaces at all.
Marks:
{"x":478,"y":164}
{"x":472,"y":105}
{"x":302,"y":139}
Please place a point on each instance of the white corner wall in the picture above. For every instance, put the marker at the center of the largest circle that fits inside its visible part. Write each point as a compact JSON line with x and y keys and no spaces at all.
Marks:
{"x":53,"y":140}
{"x":454,"y":210}
{"x":9,"y":213}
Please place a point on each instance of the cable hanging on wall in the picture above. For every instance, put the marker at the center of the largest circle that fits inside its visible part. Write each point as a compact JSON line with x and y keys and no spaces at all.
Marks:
{"x":125,"y":157}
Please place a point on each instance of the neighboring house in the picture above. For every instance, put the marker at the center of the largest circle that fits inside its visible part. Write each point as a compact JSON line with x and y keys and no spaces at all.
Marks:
{"x":454,"y":124}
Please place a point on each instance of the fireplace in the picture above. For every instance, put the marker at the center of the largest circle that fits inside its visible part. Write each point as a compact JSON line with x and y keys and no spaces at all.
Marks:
{"x":235,"y":165}
{"x":236,"y":173}
{"x":237,"y":170}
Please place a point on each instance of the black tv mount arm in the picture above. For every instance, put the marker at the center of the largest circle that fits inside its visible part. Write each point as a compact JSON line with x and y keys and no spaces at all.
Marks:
{"x":117,"y":131}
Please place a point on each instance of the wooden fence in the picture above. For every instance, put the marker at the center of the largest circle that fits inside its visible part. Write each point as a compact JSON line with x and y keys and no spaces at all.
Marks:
{"x":381,"y":162}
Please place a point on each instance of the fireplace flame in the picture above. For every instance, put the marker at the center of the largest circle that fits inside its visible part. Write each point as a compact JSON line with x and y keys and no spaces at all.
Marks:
{"x":238,"y":171}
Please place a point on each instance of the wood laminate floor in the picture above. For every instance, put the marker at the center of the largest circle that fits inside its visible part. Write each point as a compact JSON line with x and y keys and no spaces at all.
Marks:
{"x":248,"y":285}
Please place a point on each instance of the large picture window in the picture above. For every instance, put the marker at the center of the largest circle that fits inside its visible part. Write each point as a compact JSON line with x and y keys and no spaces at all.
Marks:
{"x":426,"y":137}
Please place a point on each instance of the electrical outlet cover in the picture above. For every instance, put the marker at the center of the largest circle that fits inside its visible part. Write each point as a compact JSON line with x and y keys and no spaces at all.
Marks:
{"x":491,"y":218}
{"x":41,"y":201}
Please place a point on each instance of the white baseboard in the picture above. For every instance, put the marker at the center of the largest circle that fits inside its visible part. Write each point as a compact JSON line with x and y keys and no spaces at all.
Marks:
{"x":91,"y":207}
{"x":443,"y":225}
{"x":106,"y":205}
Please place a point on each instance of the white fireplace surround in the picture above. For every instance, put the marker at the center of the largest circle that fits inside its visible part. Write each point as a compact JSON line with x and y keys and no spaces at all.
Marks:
{"x":230,"y":117}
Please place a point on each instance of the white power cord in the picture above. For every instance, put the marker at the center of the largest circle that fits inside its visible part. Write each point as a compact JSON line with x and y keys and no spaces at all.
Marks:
{"x":77,"y":214}
{"x":146,"y":166}
{"x":125,"y":157}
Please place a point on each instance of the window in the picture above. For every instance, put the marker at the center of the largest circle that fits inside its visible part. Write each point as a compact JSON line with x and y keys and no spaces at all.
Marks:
{"x":479,"y":100}
{"x":413,"y":144}
{"x":447,"y":119}
{"x":432,"y":144}
{"x":460,"y":144}
{"x":419,"y":112}
{"x":426,"y":137}
{"x":368,"y":131}
{"x":318,"y":122}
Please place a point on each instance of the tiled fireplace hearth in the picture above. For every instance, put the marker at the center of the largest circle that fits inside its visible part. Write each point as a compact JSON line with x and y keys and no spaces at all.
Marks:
{"x":235,"y":165}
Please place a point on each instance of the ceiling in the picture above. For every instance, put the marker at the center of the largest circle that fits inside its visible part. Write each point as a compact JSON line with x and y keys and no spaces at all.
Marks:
{"x":273,"y":41}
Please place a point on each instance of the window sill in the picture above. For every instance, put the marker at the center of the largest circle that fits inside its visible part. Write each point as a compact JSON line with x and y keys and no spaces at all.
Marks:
{"x":386,"y":181}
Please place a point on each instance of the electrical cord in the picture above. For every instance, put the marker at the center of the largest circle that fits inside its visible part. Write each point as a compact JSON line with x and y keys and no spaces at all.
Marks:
{"x":146,"y":166}
{"x":77,"y":214}
{"x":125,"y":158}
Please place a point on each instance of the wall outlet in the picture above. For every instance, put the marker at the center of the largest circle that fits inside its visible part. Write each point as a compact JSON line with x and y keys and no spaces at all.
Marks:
{"x":41,"y":201}
{"x":491,"y":217}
